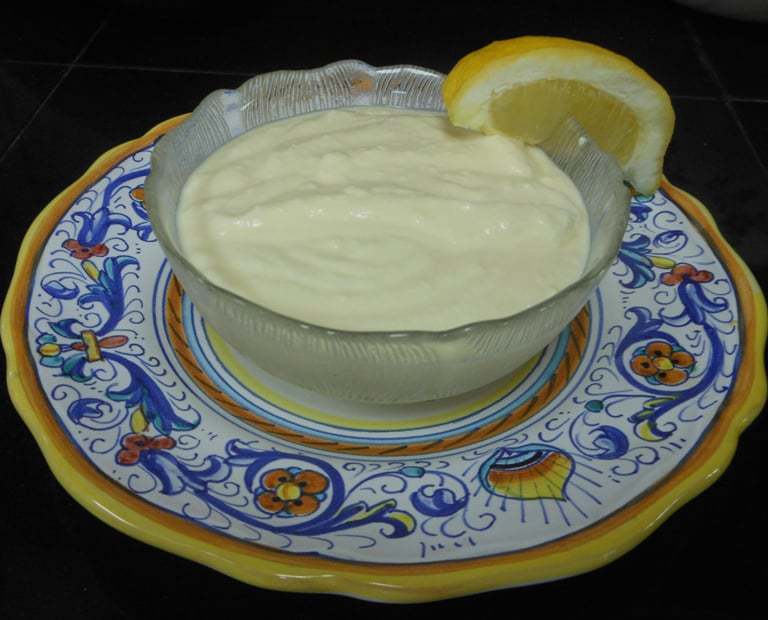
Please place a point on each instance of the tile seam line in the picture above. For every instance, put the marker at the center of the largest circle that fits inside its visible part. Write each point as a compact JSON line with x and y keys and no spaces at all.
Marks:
{"x":696,"y":97}
{"x":116,"y":67}
{"x":89,"y":65}
{"x":68,"y":69}
{"x":36,"y":63}
{"x":748,"y":99}
{"x":704,"y":58}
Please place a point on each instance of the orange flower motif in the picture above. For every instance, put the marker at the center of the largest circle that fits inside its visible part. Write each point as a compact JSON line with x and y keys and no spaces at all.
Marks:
{"x":84,"y":252}
{"x":137,"y":194}
{"x":684,"y":271}
{"x":135,"y":443}
{"x":291,"y":491}
{"x":659,"y":362}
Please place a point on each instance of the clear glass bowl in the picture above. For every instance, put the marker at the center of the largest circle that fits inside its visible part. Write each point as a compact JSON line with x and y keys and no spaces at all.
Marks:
{"x":382,"y":367}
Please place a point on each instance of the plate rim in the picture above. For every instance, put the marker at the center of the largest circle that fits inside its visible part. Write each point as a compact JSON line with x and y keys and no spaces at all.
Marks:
{"x":583,"y":551}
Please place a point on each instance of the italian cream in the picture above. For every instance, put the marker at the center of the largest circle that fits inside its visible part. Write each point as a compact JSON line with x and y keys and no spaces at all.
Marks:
{"x":383,"y":219}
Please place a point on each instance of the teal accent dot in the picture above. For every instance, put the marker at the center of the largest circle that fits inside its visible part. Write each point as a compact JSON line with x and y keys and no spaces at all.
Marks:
{"x":412,"y":472}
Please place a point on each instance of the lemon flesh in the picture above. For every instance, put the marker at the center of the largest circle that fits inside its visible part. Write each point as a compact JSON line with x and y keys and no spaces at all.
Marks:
{"x":532,"y":113}
{"x":526,"y":87}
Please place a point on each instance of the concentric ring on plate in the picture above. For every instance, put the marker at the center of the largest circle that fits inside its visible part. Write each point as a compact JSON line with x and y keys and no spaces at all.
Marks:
{"x":544,"y":376}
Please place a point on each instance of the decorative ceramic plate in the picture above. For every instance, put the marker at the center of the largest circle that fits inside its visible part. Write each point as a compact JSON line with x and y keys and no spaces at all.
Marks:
{"x":153,"y":424}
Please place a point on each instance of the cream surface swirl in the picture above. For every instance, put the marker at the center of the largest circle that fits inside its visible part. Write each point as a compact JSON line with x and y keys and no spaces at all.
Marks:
{"x":383,"y":219}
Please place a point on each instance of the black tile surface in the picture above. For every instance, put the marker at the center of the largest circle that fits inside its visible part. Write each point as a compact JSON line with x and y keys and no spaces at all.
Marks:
{"x":754,"y":117}
{"x":58,"y":561}
{"x":50,"y":34}
{"x":22,"y":89}
{"x":738,"y":51}
{"x":711,"y":159}
{"x":430,"y":34}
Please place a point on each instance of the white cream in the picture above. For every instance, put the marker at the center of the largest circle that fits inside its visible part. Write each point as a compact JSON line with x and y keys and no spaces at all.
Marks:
{"x":382,"y":219}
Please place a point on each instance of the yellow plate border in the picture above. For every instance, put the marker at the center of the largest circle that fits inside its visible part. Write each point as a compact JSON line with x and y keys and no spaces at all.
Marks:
{"x":267,"y":568}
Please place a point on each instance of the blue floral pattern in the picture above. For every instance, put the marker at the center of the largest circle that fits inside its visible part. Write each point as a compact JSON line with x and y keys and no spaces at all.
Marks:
{"x":659,"y":364}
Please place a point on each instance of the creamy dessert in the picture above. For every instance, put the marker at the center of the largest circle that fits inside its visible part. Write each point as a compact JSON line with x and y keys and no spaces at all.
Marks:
{"x":383,"y":219}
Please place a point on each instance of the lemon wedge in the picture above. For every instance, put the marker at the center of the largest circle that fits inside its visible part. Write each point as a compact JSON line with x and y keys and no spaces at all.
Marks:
{"x":526,"y":87}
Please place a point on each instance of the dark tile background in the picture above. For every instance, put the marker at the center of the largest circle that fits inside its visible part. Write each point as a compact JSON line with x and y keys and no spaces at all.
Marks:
{"x":22,"y":90}
{"x":737,"y":52}
{"x":56,"y":35}
{"x":74,"y":84}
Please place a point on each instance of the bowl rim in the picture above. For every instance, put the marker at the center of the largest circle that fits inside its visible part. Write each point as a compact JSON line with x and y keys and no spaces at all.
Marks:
{"x":168,"y":246}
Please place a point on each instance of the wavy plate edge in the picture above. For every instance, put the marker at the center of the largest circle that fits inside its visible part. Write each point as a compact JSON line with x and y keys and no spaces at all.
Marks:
{"x":259,"y":566}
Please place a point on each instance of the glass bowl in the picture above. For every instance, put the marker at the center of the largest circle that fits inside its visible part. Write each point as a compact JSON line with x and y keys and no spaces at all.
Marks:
{"x":380,"y":367}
